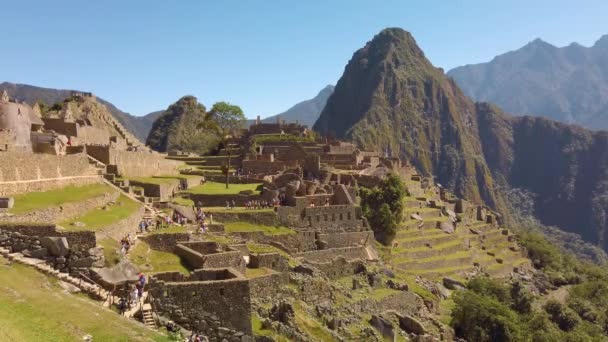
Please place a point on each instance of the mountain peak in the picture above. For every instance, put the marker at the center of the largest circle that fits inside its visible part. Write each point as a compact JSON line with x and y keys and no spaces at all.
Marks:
{"x":602,"y":42}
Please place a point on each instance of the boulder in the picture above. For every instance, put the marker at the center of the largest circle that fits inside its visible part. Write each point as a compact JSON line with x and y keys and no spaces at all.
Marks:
{"x":384,"y":326}
{"x":416,"y":217}
{"x":411,"y":325}
{"x":39,"y":253}
{"x":56,"y":246}
{"x":453,"y":284}
{"x":447,"y":226}
{"x":282,"y":312}
{"x":304,"y":270}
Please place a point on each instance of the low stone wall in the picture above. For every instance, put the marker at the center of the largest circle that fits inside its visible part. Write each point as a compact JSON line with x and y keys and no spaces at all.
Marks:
{"x":205,"y":302}
{"x":339,"y":267}
{"x":339,"y":240}
{"x":77,"y":255}
{"x":273,"y":261}
{"x":65,"y":211}
{"x":163,"y":191}
{"x":349,"y":253}
{"x":210,"y":258}
{"x":165,"y":242}
{"x":302,"y":241}
{"x":268,"y":285}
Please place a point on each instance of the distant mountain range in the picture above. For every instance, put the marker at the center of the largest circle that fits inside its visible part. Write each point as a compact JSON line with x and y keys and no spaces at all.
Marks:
{"x":305,"y":112}
{"x":138,"y":125}
{"x":392,"y":99}
{"x":568,"y":84}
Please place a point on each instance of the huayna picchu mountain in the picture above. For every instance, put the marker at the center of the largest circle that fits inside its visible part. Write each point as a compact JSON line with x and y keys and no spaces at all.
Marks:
{"x":176,"y":128}
{"x":392,"y":99}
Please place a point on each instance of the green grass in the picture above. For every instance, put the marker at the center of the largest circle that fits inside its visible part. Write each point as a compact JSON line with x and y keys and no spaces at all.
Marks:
{"x":310,"y":325}
{"x":182,"y":201}
{"x":213,"y":188}
{"x":34,"y":308}
{"x":256,"y":272}
{"x":99,"y":218}
{"x":149,"y":260}
{"x":39,"y":200}
{"x":237,"y":227}
{"x":111,"y":251}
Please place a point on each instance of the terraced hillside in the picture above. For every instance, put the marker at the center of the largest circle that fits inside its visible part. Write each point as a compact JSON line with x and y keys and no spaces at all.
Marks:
{"x":423,"y":248}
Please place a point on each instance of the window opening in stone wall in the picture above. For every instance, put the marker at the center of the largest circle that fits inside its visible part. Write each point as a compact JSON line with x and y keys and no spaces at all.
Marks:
{"x":221,"y":292}
{"x":325,"y":217}
{"x":348,"y":215}
{"x":341,"y":217}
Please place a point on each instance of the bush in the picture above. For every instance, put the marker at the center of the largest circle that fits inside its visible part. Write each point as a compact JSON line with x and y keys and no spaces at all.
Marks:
{"x":479,"y":318}
{"x":564,"y":317}
{"x":383,"y":207}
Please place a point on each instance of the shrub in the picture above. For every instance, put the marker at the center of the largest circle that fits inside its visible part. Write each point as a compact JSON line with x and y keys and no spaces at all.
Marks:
{"x":383,"y":207}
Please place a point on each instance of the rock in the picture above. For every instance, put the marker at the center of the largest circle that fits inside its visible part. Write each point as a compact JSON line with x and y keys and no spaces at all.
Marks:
{"x":96,"y":252}
{"x":411,"y":325}
{"x":447,"y":226}
{"x":388,"y":273}
{"x":303,"y":269}
{"x":474,"y":231}
{"x":56,"y":246}
{"x":374,"y":279}
{"x":416,"y":217}
{"x":453,"y":284}
{"x":68,"y":287}
{"x":60,"y":260}
{"x":385,"y":327}
{"x":40,"y":253}
{"x":83,"y":262}
{"x":282,"y":312}
{"x":356,"y":284}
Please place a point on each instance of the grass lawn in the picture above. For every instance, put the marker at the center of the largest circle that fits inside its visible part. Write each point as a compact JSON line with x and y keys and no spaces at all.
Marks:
{"x":213,"y":188}
{"x":182,"y":201}
{"x":38,"y":200}
{"x":99,"y":218}
{"x":151,"y":261}
{"x":256,"y":272}
{"x":236,"y":227}
{"x":34,"y":308}
{"x":169,"y":230}
{"x":237,"y":210}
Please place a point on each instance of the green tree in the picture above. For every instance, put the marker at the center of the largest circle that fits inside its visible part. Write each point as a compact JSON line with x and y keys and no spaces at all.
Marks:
{"x":383,"y":207}
{"x":227,"y":120}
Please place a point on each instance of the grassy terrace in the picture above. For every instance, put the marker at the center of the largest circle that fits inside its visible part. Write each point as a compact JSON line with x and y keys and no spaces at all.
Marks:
{"x":155,"y":180}
{"x":213,"y":188}
{"x":39,"y":200}
{"x":149,"y":260}
{"x":99,"y":218}
{"x":261,"y":138}
{"x":236,"y":227}
{"x":237,"y":210}
{"x":256,"y":272}
{"x":42,"y":311}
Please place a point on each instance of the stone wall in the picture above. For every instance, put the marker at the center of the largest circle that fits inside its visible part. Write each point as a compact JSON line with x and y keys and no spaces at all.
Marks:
{"x":273,"y":261}
{"x":26,"y":172}
{"x":162,"y":191}
{"x":339,"y":267}
{"x":349,"y":253}
{"x":134,"y":163}
{"x":65,"y":211}
{"x":61,"y":127}
{"x":302,"y":241}
{"x":220,"y":200}
{"x":339,"y":240}
{"x":266,"y":167}
{"x":333,"y":218}
{"x":215,"y":302}
{"x":268,"y":285}
{"x":64,"y":251}
{"x":404,"y":302}
{"x":200,"y":255}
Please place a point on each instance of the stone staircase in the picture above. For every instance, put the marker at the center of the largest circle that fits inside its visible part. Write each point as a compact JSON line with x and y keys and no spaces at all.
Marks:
{"x":147,"y":316}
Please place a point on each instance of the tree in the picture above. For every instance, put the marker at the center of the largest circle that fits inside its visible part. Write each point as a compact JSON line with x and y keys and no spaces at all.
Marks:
{"x":383,"y":207}
{"x":226,"y":119}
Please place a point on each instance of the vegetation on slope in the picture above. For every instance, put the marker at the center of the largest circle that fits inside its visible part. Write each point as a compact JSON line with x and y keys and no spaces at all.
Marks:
{"x":383,"y":207}
{"x":34,"y":308}
{"x":103,"y":217}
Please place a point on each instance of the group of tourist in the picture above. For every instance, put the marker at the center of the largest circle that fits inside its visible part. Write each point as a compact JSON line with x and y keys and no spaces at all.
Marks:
{"x":230,"y":204}
{"x":125,"y":243}
{"x":133,"y":296}
{"x":261,"y":204}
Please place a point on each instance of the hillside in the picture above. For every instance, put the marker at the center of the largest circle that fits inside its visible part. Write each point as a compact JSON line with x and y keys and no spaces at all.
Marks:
{"x":175,"y":128}
{"x":567,"y":84}
{"x":307,"y":111}
{"x":390,"y":98}
{"x":137,"y":125}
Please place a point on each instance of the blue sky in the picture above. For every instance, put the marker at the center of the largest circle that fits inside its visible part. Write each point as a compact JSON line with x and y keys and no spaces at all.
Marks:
{"x":263,"y":55}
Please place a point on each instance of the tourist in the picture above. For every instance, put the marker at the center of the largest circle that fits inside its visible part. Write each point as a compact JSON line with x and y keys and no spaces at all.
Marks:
{"x":158,"y":223}
{"x":227,"y":205}
{"x":142,"y":281}
{"x":122,"y":305}
{"x":134,"y":296}
{"x":210,"y":218}
{"x":233,"y":204}
{"x":142,"y":226}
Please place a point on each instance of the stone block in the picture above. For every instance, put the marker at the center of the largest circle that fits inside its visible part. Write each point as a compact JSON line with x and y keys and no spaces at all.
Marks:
{"x":384,"y":326}
{"x":56,"y":246}
{"x":411,"y":325}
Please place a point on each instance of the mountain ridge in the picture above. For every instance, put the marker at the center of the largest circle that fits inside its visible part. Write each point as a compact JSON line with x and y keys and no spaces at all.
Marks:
{"x":568,"y":84}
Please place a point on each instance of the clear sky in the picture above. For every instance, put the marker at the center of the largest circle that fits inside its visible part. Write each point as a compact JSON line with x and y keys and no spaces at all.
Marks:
{"x":263,"y":55}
